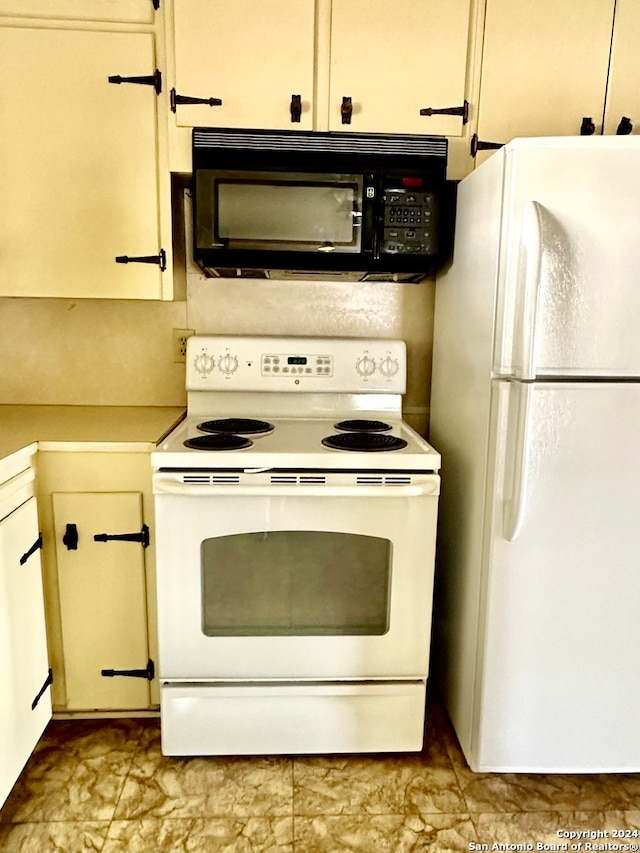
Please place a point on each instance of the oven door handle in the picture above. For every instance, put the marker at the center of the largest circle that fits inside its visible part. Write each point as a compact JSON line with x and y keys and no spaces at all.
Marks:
{"x":167,"y":486}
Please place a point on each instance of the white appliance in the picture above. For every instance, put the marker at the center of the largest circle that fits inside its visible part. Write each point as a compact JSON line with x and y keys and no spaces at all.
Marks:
{"x":294,"y":578}
{"x":536,"y":410}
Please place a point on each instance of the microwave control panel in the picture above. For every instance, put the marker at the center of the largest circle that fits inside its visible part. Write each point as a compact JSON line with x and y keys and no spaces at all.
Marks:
{"x":409,"y":225}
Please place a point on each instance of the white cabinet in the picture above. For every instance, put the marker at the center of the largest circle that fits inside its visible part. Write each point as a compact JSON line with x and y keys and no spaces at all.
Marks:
{"x":25,"y":698}
{"x":80,"y":161}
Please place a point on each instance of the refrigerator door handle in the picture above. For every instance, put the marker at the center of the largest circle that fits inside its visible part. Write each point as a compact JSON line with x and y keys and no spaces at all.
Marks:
{"x":528,"y":290}
{"x":515,"y":507}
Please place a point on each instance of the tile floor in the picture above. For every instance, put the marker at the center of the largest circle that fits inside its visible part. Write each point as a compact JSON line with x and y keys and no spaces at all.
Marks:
{"x":105,"y":786}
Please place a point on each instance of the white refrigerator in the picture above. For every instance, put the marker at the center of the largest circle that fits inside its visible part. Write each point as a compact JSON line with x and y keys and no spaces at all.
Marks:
{"x":536,"y":410}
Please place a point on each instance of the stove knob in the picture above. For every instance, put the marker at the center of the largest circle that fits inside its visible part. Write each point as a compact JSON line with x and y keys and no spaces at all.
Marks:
{"x":389,"y":367}
{"x":203,"y":363}
{"x":228,"y":364}
{"x":365,"y":366}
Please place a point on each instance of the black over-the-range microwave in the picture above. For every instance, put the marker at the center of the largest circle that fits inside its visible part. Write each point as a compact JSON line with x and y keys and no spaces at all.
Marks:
{"x":294,"y":204}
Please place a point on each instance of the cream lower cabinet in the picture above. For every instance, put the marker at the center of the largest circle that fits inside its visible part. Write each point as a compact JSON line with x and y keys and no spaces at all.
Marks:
{"x":79,"y":159}
{"x":97,"y":515}
{"x":25,"y":695}
{"x":101,"y":583}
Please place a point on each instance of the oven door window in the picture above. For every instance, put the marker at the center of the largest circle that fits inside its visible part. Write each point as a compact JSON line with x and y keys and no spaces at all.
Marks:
{"x":295,"y":583}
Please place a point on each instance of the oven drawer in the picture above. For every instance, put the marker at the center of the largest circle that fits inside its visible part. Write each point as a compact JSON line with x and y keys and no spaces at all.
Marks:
{"x":277,"y":718}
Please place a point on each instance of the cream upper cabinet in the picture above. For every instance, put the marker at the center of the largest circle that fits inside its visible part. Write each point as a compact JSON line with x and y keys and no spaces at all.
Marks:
{"x":122,"y":11}
{"x":79,"y":165}
{"x":623,"y":90}
{"x":255,"y":56}
{"x":392,"y":60}
{"x":544,"y":68}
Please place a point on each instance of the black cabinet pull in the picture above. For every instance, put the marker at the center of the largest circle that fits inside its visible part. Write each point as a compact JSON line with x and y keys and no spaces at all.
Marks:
{"x":346,"y":110}
{"x":41,"y":692}
{"x":35,"y":547}
{"x":587,"y":128}
{"x":70,"y":537}
{"x":154,"y":80}
{"x":625,"y":127}
{"x":296,"y":108}
{"x":148,"y":673}
{"x":481,"y":145}
{"x":187,"y":99}
{"x":142,"y":537}
{"x":160,"y":259}
{"x":156,"y":4}
{"x":462,"y":111}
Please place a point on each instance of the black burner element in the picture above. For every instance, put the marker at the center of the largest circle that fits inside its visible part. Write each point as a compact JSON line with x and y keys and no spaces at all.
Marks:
{"x":362,"y":425}
{"x":218,"y":441}
{"x":370,"y":442}
{"x":244,"y":426}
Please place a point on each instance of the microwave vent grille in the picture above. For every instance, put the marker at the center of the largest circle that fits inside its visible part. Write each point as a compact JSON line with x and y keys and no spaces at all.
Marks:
{"x":321,"y":143}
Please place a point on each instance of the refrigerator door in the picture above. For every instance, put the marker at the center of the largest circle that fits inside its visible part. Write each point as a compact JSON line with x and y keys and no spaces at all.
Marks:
{"x":568,"y":295}
{"x":559,"y":640}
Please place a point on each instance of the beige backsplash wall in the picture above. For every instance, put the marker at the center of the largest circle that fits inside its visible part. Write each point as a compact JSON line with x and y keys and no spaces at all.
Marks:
{"x":119,"y":352}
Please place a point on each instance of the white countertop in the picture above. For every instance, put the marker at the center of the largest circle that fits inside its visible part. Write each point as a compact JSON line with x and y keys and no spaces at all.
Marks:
{"x":23,"y":429}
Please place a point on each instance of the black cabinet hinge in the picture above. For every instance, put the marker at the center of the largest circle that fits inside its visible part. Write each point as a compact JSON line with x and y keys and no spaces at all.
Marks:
{"x":176,"y":99}
{"x":160,"y":260}
{"x":142,"y":537}
{"x":35,"y":547}
{"x":462,"y":111}
{"x":48,"y":680}
{"x":154,"y":80}
{"x":149,"y":672}
{"x":480,"y":145}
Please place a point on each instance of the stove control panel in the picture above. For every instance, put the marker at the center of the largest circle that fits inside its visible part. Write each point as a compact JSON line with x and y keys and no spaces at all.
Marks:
{"x":336,"y":365}
{"x":284,"y":364}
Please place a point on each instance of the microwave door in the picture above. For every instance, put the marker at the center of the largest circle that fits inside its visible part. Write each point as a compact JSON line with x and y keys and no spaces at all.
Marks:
{"x":284,"y":212}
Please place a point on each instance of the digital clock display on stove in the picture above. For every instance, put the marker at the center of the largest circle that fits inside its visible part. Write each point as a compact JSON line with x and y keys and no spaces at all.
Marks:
{"x":297,"y":359}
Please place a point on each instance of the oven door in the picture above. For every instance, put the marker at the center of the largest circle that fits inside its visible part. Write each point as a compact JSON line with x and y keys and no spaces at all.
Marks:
{"x":282,"y":582}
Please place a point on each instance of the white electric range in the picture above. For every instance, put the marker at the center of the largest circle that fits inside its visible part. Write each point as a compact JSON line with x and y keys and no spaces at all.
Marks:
{"x":295,"y":535}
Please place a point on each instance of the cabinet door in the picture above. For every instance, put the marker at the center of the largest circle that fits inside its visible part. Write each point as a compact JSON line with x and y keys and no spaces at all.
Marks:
{"x":623,"y":90}
{"x":78,"y":164}
{"x":252,"y":54}
{"x":394,"y":59}
{"x":102,"y":600}
{"x":25,"y":707}
{"x":544,"y":68}
{"x":123,"y":11}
